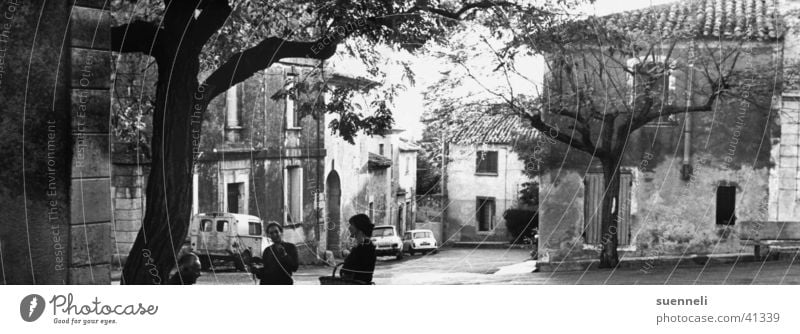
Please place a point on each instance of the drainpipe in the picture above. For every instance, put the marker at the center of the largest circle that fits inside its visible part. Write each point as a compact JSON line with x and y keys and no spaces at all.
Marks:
{"x":445,"y":197}
{"x":687,"y":130}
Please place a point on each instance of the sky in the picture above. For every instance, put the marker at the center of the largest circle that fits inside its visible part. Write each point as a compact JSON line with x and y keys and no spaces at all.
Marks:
{"x":409,"y":105}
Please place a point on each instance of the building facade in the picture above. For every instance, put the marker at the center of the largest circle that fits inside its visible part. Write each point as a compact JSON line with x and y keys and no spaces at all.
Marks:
{"x":685,"y":181}
{"x":376,"y":176}
{"x":261,"y":157}
{"x":484,"y":175}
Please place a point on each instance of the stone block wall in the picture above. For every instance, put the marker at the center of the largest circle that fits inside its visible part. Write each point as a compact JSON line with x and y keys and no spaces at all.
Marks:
{"x":128,"y":184}
{"x":55,"y":187}
{"x":90,"y":194}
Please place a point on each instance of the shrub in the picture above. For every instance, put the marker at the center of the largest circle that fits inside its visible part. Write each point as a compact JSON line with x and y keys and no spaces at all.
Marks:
{"x":521,"y":224}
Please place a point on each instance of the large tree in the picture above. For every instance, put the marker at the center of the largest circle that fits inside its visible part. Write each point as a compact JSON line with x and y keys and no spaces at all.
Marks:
{"x":602,"y":84}
{"x":229,"y":41}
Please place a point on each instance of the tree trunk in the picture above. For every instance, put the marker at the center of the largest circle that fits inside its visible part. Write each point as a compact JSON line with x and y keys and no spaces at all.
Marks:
{"x":168,"y":207}
{"x":610,"y":213}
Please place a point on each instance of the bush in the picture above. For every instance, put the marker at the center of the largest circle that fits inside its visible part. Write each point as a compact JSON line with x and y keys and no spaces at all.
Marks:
{"x":521,"y":224}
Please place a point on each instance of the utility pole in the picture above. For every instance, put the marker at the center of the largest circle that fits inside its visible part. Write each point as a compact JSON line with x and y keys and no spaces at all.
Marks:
{"x":444,"y":198}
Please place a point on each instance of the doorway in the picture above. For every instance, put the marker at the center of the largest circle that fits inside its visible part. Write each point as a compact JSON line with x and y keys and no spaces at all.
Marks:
{"x":726,"y":205}
{"x":234,"y":197}
{"x":333,"y":206}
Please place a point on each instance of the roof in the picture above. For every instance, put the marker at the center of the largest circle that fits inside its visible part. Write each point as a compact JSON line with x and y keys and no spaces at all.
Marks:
{"x":727,"y":19}
{"x":378,"y":161}
{"x":339,"y":77}
{"x":408,"y":146}
{"x":493,"y":129}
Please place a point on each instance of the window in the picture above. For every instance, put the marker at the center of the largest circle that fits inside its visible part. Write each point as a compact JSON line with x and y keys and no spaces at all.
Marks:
{"x":383,"y":232}
{"x":665,"y":86}
{"x":292,"y":116}
{"x":380,"y":149}
{"x":486,"y":162}
{"x":726,"y":205}
{"x":371,"y":212}
{"x":422,"y":235}
{"x":408,"y":164}
{"x":484,"y":213}
{"x":205,"y":225}
{"x":254,"y":228}
{"x":222,"y":226}
{"x":232,"y":116}
{"x":235,"y":194}
{"x":294,"y":195}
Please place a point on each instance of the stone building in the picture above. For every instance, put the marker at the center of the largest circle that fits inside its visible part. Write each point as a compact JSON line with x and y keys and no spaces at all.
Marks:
{"x":375,"y":175}
{"x":260,"y":156}
{"x":686,"y":180}
{"x":484,"y":177}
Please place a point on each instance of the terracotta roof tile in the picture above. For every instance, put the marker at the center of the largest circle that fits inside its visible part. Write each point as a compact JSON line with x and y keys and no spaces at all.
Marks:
{"x":728,"y":19}
{"x":493,"y":129}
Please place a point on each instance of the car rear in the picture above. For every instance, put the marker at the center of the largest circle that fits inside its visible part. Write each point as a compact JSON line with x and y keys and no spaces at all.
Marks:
{"x":423,"y":240}
{"x":386,"y":241}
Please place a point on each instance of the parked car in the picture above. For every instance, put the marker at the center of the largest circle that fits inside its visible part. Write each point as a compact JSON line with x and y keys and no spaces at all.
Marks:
{"x":419,"y":241}
{"x":387,"y":242}
{"x":228,"y":236}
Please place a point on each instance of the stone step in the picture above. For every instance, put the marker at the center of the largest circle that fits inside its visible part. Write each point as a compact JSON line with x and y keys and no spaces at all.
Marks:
{"x":488,"y":245}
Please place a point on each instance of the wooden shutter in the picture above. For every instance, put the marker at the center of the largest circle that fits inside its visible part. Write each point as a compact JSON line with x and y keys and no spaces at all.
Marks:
{"x":593,"y":201}
{"x":592,"y":204}
{"x":624,"y":220}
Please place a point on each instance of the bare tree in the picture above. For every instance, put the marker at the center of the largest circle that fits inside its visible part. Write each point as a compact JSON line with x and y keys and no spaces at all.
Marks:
{"x":603,"y":84}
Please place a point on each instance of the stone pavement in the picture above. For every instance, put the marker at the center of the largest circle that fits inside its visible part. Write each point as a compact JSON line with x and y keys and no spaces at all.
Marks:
{"x":512,"y":266}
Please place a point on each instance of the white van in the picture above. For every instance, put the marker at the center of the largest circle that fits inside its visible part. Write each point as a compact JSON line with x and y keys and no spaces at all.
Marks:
{"x":228,"y":236}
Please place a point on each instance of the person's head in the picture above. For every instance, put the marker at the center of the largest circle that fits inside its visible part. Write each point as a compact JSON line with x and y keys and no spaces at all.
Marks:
{"x":360,"y":226}
{"x":275,"y":232}
{"x":189,"y":268}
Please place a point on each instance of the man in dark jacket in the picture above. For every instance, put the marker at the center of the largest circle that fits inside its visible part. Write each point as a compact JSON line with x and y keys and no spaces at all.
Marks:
{"x":360,"y":264}
{"x":279,"y":259}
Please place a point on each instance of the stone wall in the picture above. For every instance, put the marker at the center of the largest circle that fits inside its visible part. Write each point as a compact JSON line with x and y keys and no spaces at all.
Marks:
{"x":128,"y":184}
{"x":91,"y":175}
{"x":55,"y":186}
{"x":784,"y":197}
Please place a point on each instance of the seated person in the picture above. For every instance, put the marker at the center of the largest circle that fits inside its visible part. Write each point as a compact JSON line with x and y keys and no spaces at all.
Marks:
{"x":188,"y":270}
{"x":360,"y":264}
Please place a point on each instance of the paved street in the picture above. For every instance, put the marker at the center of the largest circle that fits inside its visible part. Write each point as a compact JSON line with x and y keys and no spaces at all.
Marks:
{"x":497,"y":266}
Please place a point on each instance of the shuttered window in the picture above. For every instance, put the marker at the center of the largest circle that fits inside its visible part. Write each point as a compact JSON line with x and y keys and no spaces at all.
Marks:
{"x":486,"y":162}
{"x":592,"y":204}
{"x":294,"y":195}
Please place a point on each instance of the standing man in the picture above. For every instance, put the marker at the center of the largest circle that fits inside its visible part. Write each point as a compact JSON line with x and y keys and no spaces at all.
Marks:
{"x":280,"y":259}
{"x":360,"y":264}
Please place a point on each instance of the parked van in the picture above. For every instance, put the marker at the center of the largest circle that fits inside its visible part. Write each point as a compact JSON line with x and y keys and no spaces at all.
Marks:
{"x":228,"y":236}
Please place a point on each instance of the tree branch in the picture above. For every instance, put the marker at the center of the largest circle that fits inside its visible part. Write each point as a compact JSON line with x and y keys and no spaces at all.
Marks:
{"x":546,"y":129}
{"x":137,"y":36}
{"x":211,"y":19}
{"x":243,"y":65}
{"x":467,"y":7}
{"x":674,"y":110}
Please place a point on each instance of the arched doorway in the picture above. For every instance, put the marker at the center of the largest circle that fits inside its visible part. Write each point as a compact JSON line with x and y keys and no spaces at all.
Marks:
{"x":333,"y":203}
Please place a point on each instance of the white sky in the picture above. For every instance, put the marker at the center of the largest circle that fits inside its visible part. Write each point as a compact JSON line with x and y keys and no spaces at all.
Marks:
{"x":409,"y":105}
